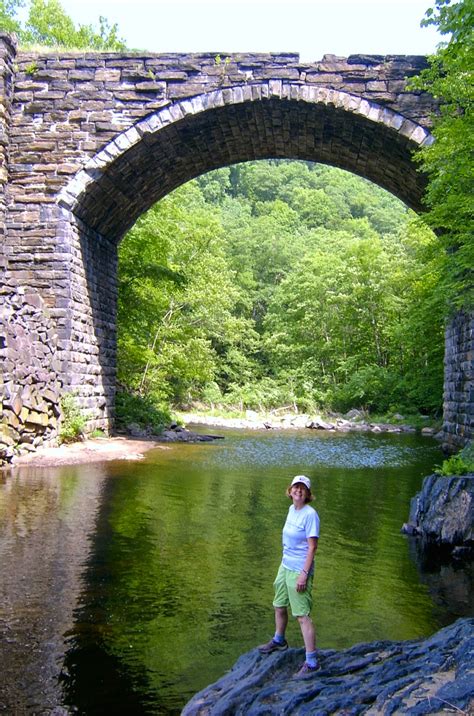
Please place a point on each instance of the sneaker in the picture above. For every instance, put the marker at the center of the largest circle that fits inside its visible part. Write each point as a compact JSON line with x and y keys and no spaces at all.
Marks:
{"x":306,"y":671}
{"x":272,"y":646}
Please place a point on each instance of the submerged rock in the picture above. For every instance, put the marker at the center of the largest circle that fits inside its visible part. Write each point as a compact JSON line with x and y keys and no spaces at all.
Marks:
{"x":424,"y":676}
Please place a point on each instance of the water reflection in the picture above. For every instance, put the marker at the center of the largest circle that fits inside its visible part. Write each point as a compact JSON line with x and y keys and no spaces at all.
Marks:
{"x":156,"y":576}
{"x":450,"y":582}
{"x":47,"y":522}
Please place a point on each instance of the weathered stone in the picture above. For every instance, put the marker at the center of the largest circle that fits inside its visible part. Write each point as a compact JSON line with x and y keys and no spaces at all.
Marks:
{"x":384,"y":677}
{"x":50,"y":395}
{"x":15,"y":404}
{"x":442,"y":513}
{"x":320,"y":424}
{"x":30,"y":342}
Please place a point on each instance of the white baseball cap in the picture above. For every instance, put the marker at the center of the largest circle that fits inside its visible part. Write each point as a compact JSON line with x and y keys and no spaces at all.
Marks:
{"x":303,"y":479}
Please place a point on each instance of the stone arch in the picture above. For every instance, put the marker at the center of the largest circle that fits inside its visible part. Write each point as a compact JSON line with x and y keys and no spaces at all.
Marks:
{"x":273,"y":119}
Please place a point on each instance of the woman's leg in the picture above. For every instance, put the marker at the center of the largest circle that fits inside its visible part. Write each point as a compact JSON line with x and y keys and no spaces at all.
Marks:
{"x":308,"y":632}
{"x":281,"y":620}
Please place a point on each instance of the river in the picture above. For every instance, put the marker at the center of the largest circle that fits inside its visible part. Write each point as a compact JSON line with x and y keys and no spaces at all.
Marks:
{"x":128,"y":586}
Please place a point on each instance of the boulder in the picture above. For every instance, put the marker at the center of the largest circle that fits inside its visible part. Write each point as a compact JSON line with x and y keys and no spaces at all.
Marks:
{"x":382,"y":677}
{"x":180,"y":434}
{"x":442,"y":513}
{"x":355,"y":414}
{"x":301,"y":421}
{"x":319,"y":424}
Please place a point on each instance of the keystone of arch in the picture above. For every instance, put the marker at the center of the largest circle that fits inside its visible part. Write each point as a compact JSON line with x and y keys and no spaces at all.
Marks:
{"x":273,"y":89}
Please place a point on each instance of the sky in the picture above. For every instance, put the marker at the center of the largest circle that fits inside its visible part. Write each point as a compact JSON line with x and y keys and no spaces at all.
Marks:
{"x":311,"y":28}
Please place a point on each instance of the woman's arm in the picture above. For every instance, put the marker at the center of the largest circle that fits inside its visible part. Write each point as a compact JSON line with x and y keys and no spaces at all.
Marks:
{"x":308,"y":563}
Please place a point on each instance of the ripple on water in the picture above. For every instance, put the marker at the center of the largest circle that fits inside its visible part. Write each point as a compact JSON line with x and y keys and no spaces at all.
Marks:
{"x":335,"y":450}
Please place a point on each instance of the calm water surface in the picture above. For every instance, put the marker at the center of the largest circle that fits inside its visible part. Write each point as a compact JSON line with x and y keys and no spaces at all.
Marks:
{"x":127,"y":587}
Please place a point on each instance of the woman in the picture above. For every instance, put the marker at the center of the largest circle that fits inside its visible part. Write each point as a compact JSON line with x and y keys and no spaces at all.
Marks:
{"x":294,"y":580}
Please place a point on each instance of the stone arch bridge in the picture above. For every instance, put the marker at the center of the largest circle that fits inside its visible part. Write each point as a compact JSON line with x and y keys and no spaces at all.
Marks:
{"x":89,"y":141}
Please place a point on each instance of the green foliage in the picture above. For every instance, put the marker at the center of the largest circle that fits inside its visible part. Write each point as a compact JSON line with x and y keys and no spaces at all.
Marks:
{"x":262,"y":394}
{"x":32,"y":68}
{"x":177,"y":323}
{"x":141,"y":410}
{"x":456,"y":465}
{"x":97,"y":433}
{"x":282,"y":283}
{"x":72,"y":419}
{"x":8,"y":15}
{"x":48,"y":24}
{"x":448,"y":161}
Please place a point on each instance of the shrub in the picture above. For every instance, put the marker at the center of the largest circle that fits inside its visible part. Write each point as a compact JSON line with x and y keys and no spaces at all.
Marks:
{"x":371,"y":386}
{"x":141,"y":410}
{"x":72,"y":420}
{"x":456,"y":465}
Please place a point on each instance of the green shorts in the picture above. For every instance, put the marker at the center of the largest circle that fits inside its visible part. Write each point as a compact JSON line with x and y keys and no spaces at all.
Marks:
{"x":287,"y":596}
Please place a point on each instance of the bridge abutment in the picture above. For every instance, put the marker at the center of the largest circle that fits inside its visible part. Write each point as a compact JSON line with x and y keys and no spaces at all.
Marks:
{"x":458,"y":412}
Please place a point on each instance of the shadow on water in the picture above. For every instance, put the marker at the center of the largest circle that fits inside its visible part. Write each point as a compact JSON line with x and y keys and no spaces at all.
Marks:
{"x":94,"y":680}
{"x":450,"y":581}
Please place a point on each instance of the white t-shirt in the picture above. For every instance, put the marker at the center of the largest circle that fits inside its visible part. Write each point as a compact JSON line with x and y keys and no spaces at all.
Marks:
{"x":299,"y":525}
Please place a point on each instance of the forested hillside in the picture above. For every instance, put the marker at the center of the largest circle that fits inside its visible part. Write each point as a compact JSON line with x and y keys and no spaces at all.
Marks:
{"x":282,"y":283}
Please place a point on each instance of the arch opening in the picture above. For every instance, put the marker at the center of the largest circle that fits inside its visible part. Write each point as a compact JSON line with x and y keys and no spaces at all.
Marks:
{"x":292,"y":234}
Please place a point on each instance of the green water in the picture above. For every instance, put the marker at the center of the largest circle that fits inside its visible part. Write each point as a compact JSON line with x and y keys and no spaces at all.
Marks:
{"x":129,"y":586}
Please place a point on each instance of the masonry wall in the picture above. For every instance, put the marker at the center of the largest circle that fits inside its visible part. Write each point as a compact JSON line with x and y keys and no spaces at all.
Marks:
{"x":60,"y":111}
{"x":7,"y":58}
{"x":458,"y":425}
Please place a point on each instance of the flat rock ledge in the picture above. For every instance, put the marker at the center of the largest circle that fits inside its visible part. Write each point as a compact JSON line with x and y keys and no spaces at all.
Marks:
{"x":428,"y":676}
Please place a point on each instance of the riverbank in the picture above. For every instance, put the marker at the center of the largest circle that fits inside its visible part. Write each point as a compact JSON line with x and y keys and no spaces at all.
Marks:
{"x":134,"y":446}
{"x":90,"y":450}
{"x":354,"y":421}
{"x":100,"y":449}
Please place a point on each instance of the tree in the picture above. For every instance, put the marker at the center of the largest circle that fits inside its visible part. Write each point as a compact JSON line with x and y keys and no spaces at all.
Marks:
{"x":448,"y":161}
{"x":177,"y":324}
{"x":8,"y":19}
{"x":48,"y":24}
{"x":278,"y":283}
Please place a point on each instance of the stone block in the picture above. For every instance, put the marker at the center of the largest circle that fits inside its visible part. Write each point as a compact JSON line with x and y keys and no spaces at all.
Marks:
{"x":14,"y":403}
{"x":10,"y":418}
{"x":8,"y":434}
{"x":107,"y":75}
{"x":324,"y":79}
{"x":376,"y":86}
{"x":35,"y":418}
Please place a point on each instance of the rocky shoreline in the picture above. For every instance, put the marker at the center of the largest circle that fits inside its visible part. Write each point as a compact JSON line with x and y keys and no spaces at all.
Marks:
{"x":120,"y":447}
{"x":428,"y":676}
{"x":354,"y":421}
